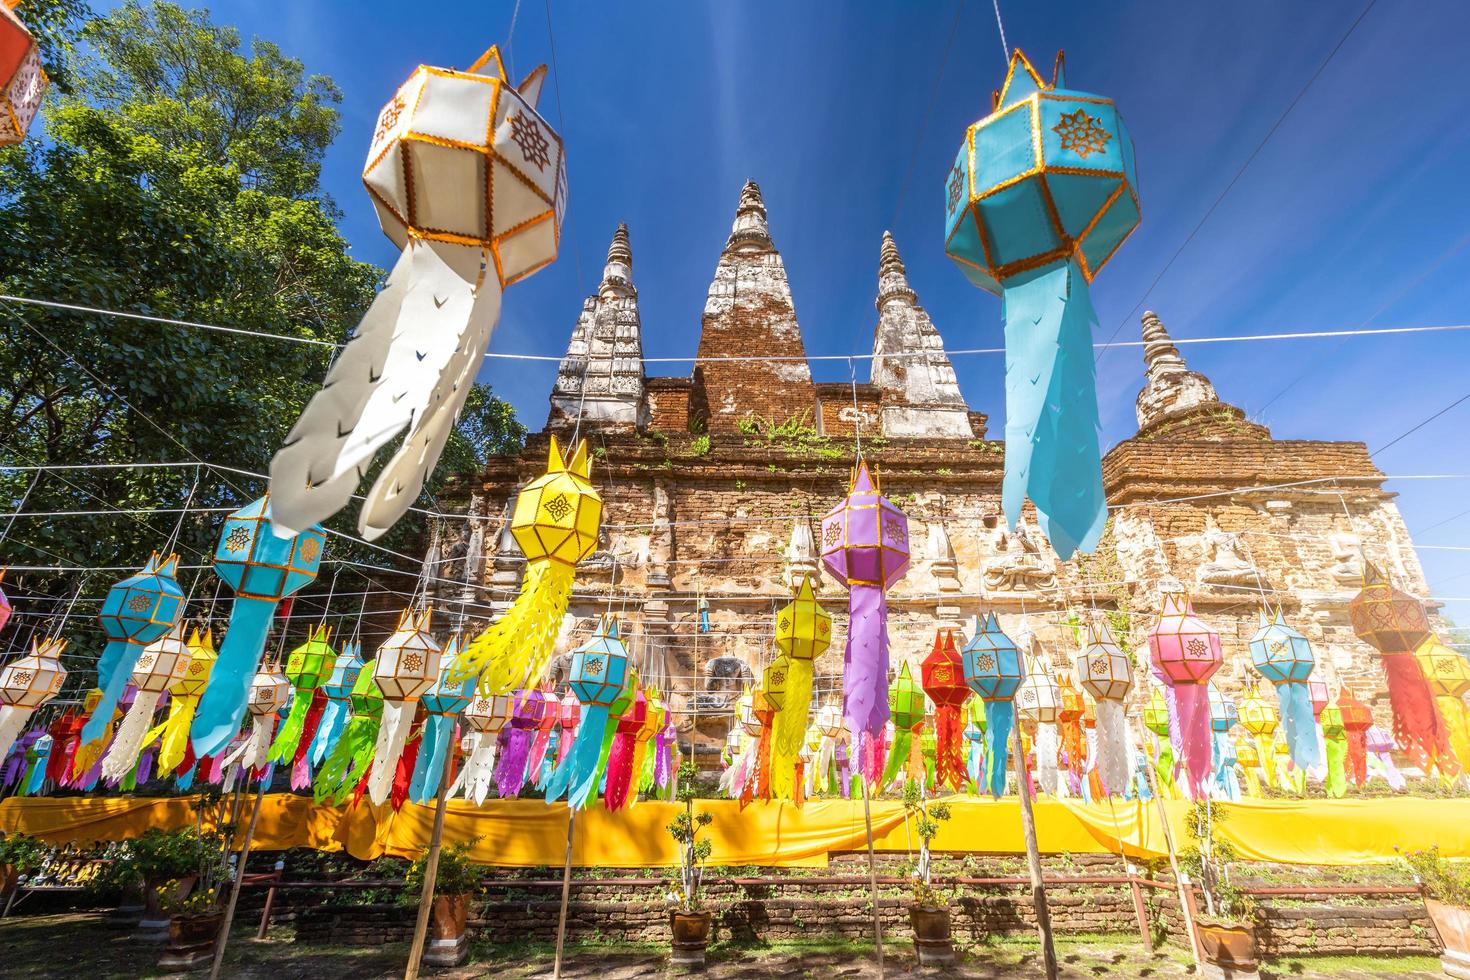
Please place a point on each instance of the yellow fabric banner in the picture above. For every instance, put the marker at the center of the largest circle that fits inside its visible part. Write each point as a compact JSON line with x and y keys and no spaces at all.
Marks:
{"x":528,"y":833}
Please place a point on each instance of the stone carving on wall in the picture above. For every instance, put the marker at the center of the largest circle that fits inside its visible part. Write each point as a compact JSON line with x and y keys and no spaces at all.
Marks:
{"x":1223,"y":565}
{"x":1021,"y":568}
{"x":721,"y":681}
{"x":1347,"y":558}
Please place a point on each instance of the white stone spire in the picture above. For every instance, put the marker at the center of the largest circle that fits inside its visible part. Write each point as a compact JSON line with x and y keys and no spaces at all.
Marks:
{"x":1171,"y":387}
{"x":750,"y":230}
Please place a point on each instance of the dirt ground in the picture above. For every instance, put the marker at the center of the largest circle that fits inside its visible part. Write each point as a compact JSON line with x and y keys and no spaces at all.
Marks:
{"x":81,"y":945}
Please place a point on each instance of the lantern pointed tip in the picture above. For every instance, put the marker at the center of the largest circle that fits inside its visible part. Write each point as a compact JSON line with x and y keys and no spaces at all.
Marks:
{"x":580,"y":464}
{"x":862,"y":479}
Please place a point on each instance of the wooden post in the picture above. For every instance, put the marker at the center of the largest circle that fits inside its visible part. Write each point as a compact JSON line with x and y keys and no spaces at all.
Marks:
{"x":431,"y":865}
{"x":270,"y":899}
{"x":1033,"y":859}
{"x":872,"y":876}
{"x":1140,"y":910}
{"x":566,"y":889}
{"x":224,"y":929}
{"x":1186,"y":897}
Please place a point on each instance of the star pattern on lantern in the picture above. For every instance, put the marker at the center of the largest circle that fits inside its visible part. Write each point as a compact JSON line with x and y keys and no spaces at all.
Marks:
{"x":413,"y":661}
{"x":1101,"y":666}
{"x":831,"y":535}
{"x":592,"y":666}
{"x":896,"y":531}
{"x":1277,"y":648}
{"x":1081,"y":133}
{"x":22,"y":677}
{"x":985,"y":662}
{"x":529,"y":138}
{"x":388,"y":119}
{"x":138,"y":603}
{"x":237,"y":539}
{"x":558,"y":507}
{"x":310,"y":549}
{"x":1197,"y":647}
{"x":956,"y":187}
{"x":196,"y":667}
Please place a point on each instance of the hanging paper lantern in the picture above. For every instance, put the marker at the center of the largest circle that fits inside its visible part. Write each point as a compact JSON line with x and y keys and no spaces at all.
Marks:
{"x":5,"y":607}
{"x":620,"y":759}
{"x":568,"y":717}
{"x":1156,"y":713}
{"x":1105,"y":672}
{"x":183,"y":694}
{"x":263,"y":569}
{"x":599,"y":670}
{"x":307,"y":668}
{"x":788,"y":692}
{"x":1334,"y":736}
{"x":486,"y":716}
{"x":269,"y":690}
{"x":1449,"y":679}
{"x":943,"y":674}
{"x":541,"y":744}
{"x":865,"y":544}
{"x":470,"y":182}
{"x":352,"y":752}
{"x":26,"y":683}
{"x":527,"y":709}
{"x":1284,"y":657}
{"x":1039,"y":702}
{"x":23,"y":81}
{"x":993,"y":671}
{"x":162,"y":664}
{"x":830,"y":727}
{"x":338,"y":690}
{"x":1319,"y":695}
{"x":643,"y":742}
{"x":1259,"y":718}
{"x":803,"y":633}
{"x":1187,"y":653}
{"x":906,"y":706}
{"x":407,"y":666}
{"x":138,"y":610}
{"x":1223,"y":713}
{"x":1073,"y":754}
{"x":555,"y":522}
{"x":443,"y":702}
{"x":1042,"y":193}
{"x":1223,"y":717}
{"x":1395,"y":624}
{"x":1357,"y":721}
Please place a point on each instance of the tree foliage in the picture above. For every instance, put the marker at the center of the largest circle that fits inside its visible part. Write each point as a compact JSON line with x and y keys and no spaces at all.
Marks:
{"x":179,"y":178}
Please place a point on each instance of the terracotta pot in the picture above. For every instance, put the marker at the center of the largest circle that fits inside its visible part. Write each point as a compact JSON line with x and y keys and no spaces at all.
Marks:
{"x":8,"y":877}
{"x":931,"y":935}
{"x":1230,"y":945}
{"x":691,"y":936}
{"x":1453,"y":925}
{"x":451,"y":913}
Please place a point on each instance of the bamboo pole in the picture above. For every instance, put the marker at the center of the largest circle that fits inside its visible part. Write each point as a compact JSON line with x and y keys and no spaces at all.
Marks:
{"x":431,"y":865}
{"x":872,"y":876}
{"x":1033,"y":858}
{"x":1186,"y":898}
{"x":224,"y":933}
{"x":566,"y":889}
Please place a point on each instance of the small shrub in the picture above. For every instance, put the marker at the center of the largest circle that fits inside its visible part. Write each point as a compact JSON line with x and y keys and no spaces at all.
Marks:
{"x":457,"y":874}
{"x":23,"y":851}
{"x":699,"y":445}
{"x":1442,"y":881}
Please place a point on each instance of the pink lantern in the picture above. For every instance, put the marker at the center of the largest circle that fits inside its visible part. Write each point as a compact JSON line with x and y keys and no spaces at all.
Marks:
{"x":1186,"y":653}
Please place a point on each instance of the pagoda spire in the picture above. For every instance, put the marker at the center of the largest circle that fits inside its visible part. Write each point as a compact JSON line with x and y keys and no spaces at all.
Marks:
{"x":893,"y":280}
{"x":750,"y":230}
{"x":617,"y":274}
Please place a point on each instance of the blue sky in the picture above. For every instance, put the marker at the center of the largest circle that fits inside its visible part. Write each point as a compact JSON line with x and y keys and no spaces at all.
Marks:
{"x":1353,"y":214}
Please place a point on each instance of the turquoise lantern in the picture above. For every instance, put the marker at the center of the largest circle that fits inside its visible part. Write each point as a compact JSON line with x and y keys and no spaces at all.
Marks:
{"x":263,"y":569}
{"x":994,"y":670}
{"x":1284,"y":657}
{"x":598,"y":674}
{"x":443,"y":703}
{"x":138,"y":610}
{"x":1040,"y":197}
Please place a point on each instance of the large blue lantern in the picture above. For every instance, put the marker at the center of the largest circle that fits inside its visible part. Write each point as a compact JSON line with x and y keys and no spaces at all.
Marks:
{"x":994,"y":670}
{"x":263,"y":569}
{"x":1041,"y":195}
{"x":1284,"y":657}
{"x":138,"y":610}
{"x":598,"y":674}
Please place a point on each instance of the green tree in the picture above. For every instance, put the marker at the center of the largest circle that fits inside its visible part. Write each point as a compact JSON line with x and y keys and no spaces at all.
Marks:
{"x":180,"y":178}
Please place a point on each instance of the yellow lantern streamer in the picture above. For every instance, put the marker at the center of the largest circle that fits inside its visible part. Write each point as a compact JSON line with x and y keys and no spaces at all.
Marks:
{"x":184,"y":696}
{"x":1259,"y":718}
{"x":1449,"y":678}
{"x":556,"y":520}
{"x":1249,"y":760}
{"x":803,"y":633}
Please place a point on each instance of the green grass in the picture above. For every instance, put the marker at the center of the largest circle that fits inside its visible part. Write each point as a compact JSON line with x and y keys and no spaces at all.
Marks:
{"x":1290,"y":966}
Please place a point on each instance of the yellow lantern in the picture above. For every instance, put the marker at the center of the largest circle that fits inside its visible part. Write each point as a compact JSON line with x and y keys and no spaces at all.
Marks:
{"x":803,"y":633}
{"x":555,"y":522}
{"x":1448,"y":675}
{"x":184,"y":694}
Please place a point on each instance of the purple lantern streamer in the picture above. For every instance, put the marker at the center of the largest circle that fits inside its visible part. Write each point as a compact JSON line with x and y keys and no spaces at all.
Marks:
{"x":865,"y":544}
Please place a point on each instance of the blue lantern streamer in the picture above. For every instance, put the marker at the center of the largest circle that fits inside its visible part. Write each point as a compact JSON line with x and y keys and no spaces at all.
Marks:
{"x":138,"y":610}
{"x":1285,"y":658}
{"x":598,"y":673}
{"x":443,"y":702}
{"x":993,"y":670}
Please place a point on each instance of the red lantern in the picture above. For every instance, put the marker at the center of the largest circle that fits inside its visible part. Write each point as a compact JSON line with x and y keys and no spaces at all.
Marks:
{"x":1395,"y":623}
{"x":943,"y":674}
{"x":1356,"y":720}
{"x":22,"y":79}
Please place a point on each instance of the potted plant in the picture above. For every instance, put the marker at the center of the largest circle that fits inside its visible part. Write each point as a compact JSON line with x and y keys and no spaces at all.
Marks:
{"x":195,"y":918}
{"x":458,"y":878}
{"x":929,"y":911}
{"x":1227,"y":936}
{"x":688,"y":921}
{"x":1446,"y":891}
{"x":21,"y":856}
{"x":162,"y":865}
